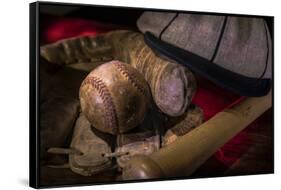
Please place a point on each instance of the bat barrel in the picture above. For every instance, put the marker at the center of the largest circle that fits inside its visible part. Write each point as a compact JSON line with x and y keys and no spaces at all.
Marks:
{"x":186,"y":154}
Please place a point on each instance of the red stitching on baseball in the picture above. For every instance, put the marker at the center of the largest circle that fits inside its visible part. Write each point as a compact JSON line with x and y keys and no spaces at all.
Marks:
{"x":110,"y":112}
{"x":131,"y":77}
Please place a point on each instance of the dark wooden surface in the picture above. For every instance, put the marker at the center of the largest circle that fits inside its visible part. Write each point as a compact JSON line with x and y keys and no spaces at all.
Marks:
{"x":54,"y":177}
{"x":249,"y":152}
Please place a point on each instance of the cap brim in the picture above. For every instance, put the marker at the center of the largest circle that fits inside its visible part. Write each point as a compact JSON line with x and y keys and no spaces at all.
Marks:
{"x":240,"y":84}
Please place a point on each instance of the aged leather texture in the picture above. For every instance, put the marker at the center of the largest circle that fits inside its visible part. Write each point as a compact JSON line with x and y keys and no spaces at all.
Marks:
{"x":172,"y":85}
{"x":59,"y":108}
{"x":180,"y":126}
{"x":143,"y":140}
{"x":92,"y":146}
{"x":114,"y":97}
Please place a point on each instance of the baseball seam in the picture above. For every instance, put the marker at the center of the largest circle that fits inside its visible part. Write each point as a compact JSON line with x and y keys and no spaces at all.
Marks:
{"x":131,"y":77}
{"x":110,"y":111}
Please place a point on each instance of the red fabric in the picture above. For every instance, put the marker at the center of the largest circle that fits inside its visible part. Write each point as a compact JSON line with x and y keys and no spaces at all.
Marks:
{"x":211,"y":98}
{"x":61,"y":28}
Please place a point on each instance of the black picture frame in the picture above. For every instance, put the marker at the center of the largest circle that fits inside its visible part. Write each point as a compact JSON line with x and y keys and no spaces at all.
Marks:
{"x":34,"y":107}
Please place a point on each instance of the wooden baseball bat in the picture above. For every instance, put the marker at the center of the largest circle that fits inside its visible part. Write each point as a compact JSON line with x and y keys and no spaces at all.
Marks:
{"x":185,"y":155}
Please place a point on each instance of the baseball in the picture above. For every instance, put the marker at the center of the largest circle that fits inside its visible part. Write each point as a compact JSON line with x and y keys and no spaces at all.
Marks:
{"x":114,"y":97}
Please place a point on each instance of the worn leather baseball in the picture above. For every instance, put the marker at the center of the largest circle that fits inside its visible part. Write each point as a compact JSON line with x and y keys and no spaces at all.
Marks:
{"x":172,"y":85}
{"x":114,"y":97}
